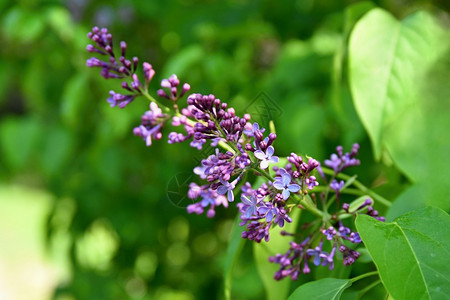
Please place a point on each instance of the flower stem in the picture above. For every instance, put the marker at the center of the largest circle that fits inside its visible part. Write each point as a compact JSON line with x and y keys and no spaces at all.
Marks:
{"x":363,"y":276}
{"x":152,"y":99}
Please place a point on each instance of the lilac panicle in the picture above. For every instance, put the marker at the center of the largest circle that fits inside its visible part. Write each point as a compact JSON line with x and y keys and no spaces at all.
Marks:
{"x":115,"y":66}
{"x":207,"y":118}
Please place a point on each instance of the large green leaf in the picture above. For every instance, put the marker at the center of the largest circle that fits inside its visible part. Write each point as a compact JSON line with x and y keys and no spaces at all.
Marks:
{"x":324,"y":289}
{"x":277,"y":244}
{"x":411,"y":253}
{"x":399,"y":78}
{"x":234,"y":249}
{"x":387,"y":57}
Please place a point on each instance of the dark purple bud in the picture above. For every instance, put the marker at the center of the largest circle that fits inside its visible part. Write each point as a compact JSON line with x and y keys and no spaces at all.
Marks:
{"x":345,"y":206}
{"x":135,"y":62}
{"x":123,"y":47}
{"x":162,"y":93}
{"x":272,"y":136}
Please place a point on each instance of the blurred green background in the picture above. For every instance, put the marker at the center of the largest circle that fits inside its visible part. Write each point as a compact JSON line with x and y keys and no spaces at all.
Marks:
{"x":84,"y":206}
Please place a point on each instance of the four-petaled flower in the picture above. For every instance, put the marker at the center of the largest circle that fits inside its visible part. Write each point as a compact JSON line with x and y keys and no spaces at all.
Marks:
{"x":269,"y":211}
{"x":328,"y":259}
{"x":284,"y":184}
{"x":250,"y":205}
{"x":316,"y":252}
{"x":227,"y":188}
{"x":267,"y":157}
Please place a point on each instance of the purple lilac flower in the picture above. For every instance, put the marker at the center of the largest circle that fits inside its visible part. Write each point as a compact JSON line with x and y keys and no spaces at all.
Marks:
{"x":328,"y":259}
{"x":344,"y":231}
{"x":198,"y":144}
{"x":209,"y":198}
{"x":354,"y":238}
{"x":119,"y":100}
{"x":338,"y":162}
{"x":247,"y":189}
{"x":311,"y":182}
{"x":216,"y":166}
{"x":243,"y":160}
{"x":316,"y":252}
{"x":337,"y":186}
{"x":290,"y":261}
{"x":282,"y":217}
{"x":251,"y":129}
{"x":250,"y":205}
{"x":269,"y":211}
{"x":267,"y":157}
{"x":148,"y":133}
{"x":284,"y":184}
{"x":227,"y":188}
{"x":329,"y":233}
{"x":152,"y":122}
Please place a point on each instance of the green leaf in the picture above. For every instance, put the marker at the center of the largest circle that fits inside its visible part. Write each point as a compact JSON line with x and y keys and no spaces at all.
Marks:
{"x":233,"y":251}
{"x":277,"y":244}
{"x":18,"y":141}
{"x":386,"y":57}
{"x":180,"y":63}
{"x":412,"y":198}
{"x":57,"y":149}
{"x":59,"y":19}
{"x":326,"y":289}
{"x":74,"y":98}
{"x":22,"y":25}
{"x":411,"y":253}
{"x":399,"y":75}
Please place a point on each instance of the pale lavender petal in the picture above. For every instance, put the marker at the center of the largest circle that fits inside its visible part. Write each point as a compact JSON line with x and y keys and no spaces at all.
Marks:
{"x":230,"y":196}
{"x":286,"y":194}
{"x":250,"y":211}
{"x":260,"y":155}
{"x":264,"y":164}
{"x":293,"y":188}
{"x":278,"y":185}
{"x":269,"y":216}
{"x":222,"y":189}
{"x":263,"y":210}
{"x":270,"y":150}
{"x":286,"y":179}
{"x":245,"y":200}
{"x":274,"y":159}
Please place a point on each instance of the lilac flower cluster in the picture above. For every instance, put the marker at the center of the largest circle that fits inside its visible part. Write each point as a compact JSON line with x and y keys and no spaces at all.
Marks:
{"x":340,"y":160}
{"x":298,"y":254}
{"x":289,"y":184}
{"x":120,"y":67}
